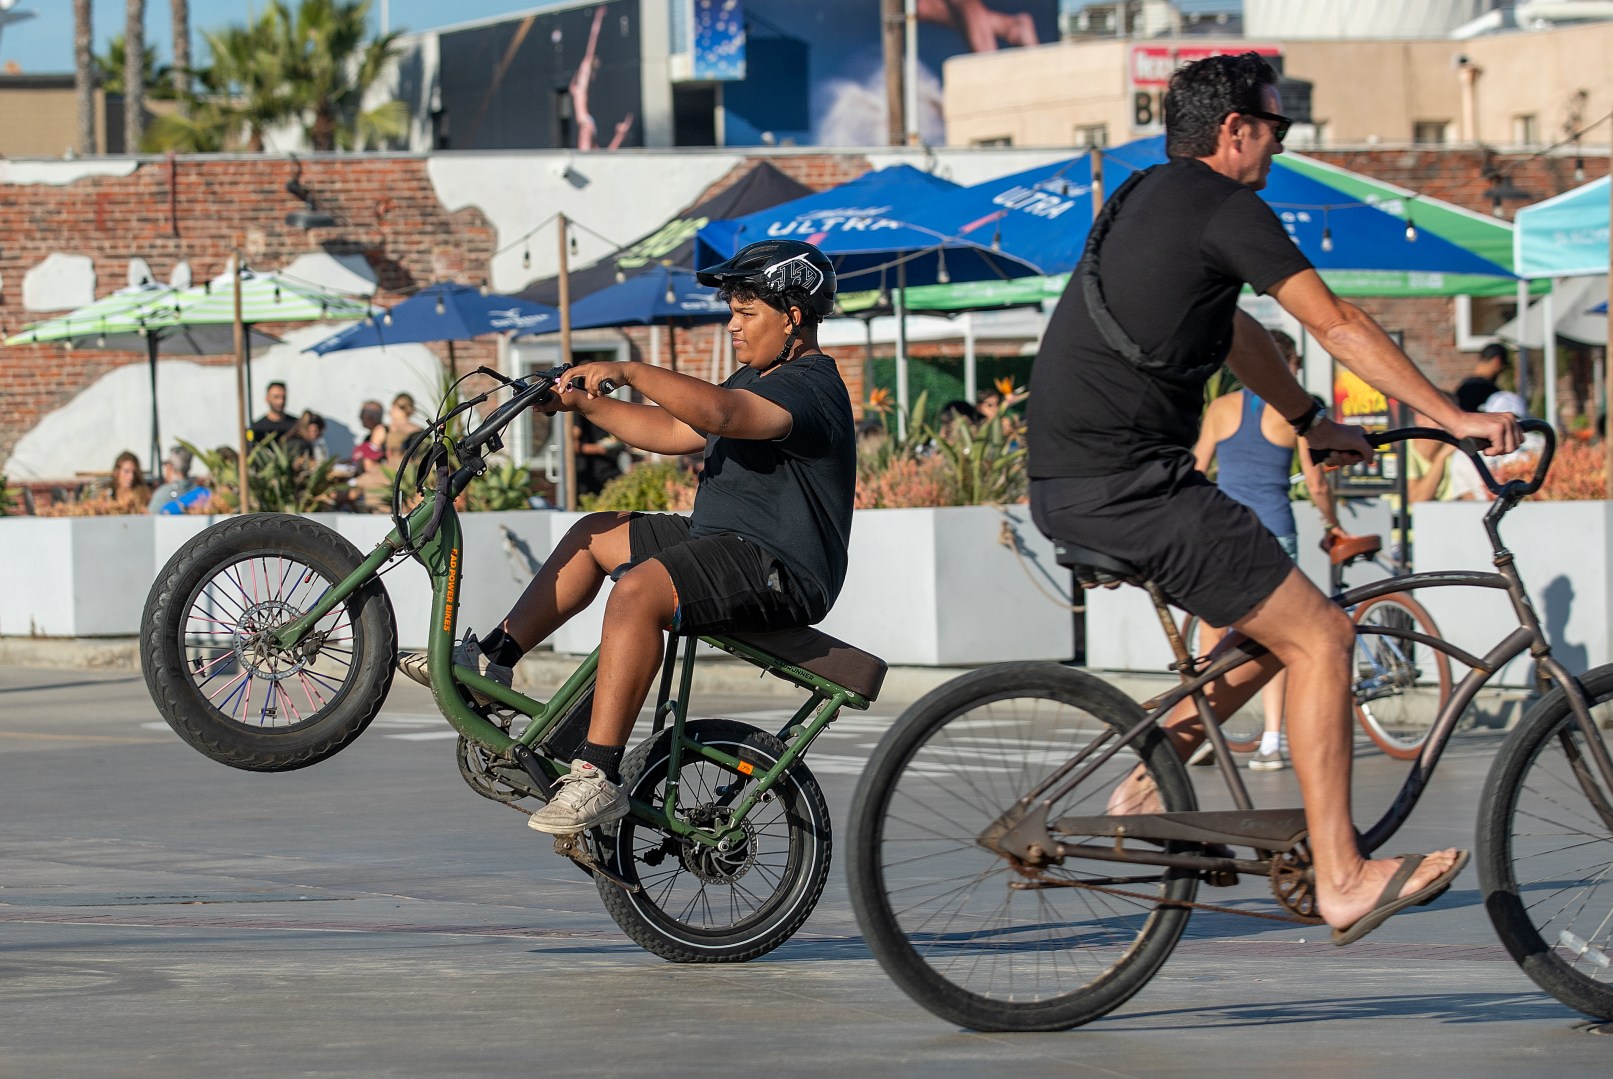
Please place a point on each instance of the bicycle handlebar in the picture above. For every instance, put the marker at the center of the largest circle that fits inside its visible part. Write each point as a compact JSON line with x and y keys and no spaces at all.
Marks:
{"x":1510,"y":489}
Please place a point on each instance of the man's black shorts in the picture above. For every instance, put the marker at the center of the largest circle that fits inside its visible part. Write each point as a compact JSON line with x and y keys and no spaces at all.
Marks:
{"x":725,"y":584}
{"x":1211,"y":555}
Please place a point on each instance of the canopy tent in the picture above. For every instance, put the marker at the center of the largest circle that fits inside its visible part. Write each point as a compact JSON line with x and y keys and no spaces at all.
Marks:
{"x":445,"y":311}
{"x":673,"y":243}
{"x":112,"y":324}
{"x":1578,"y":313}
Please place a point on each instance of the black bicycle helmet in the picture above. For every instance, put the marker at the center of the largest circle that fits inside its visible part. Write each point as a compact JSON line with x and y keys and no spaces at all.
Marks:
{"x":779,"y":268}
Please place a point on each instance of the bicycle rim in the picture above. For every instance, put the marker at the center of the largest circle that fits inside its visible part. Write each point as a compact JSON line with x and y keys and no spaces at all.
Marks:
{"x":1546,"y":852}
{"x":949,"y":919}
{"x":1398,"y":685}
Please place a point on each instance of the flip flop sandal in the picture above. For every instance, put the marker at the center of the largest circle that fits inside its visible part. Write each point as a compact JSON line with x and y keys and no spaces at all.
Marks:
{"x":1391,"y":902}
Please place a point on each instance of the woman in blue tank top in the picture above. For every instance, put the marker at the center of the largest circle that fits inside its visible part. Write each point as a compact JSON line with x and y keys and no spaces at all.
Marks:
{"x":1253,"y":447}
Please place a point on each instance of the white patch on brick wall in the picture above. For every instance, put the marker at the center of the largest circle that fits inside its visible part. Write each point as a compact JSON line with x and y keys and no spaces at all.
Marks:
{"x":62,"y":173}
{"x":60,"y":283}
{"x":197,"y":403}
{"x":617,"y":196}
{"x":349,"y":274}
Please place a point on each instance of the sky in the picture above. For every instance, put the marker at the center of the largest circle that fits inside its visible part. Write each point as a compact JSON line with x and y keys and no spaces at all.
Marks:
{"x":43,"y":45}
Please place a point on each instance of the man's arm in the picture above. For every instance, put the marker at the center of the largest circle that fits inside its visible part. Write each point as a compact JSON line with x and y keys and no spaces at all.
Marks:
{"x":1257,"y":363}
{"x":1350,"y":336}
{"x":1321,"y":492}
{"x":686,"y":404}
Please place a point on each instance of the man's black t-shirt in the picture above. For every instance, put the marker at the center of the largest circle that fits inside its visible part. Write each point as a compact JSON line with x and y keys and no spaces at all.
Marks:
{"x":792,"y":496}
{"x":1473,"y":392}
{"x":263,"y":428}
{"x":1183,"y":244}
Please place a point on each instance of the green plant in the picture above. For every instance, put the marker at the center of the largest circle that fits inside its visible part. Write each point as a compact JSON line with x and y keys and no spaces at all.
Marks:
{"x":504,"y":486}
{"x":8,"y":498}
{"x":658,"y":485}
{"x":280,"y":481}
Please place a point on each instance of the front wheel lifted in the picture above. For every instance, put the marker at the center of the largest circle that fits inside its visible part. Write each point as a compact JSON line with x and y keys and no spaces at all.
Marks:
{"x":701,"y":904}
{"x":219,"y":676}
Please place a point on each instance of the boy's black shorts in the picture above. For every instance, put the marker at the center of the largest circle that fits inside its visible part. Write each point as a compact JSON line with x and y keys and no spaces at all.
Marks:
{"x":1210,"y":554}
{"x":725,"y":583}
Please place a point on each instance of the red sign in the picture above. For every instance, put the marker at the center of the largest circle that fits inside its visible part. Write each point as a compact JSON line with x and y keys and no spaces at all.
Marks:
{"x":1151,"y":65}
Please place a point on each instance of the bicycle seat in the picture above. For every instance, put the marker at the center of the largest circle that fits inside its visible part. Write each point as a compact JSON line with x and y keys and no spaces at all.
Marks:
{"x":1094,"y":569}
{"x":1343,"y":550}
{"x":827,"y":657}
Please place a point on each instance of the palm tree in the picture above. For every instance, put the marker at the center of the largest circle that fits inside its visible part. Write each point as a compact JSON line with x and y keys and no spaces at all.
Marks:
{"x":110,"y":68}
{"x":181,"y":70}
{"x":134,"y":76}
{"x":334,"y":67}
{"x":84,"y":76}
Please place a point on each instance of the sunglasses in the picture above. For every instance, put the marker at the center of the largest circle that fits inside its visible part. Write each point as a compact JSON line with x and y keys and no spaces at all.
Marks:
{"x":1280,"y":124}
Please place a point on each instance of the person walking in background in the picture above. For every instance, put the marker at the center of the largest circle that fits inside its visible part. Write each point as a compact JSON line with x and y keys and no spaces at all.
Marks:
{"x":274,"y":423}
{"x":1478,"y":387}
{"x":1254,"y":447}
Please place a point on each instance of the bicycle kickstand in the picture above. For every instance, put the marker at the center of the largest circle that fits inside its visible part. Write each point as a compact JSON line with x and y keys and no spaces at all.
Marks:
{"x":576,"y":848}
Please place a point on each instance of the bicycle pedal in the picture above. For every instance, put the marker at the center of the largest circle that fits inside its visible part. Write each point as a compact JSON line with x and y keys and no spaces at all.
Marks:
{"x":1219,"y":878}
{"x":573,"y":847}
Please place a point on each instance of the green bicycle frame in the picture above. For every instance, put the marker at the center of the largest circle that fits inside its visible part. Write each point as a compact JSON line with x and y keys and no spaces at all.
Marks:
{"x":442,"y":553}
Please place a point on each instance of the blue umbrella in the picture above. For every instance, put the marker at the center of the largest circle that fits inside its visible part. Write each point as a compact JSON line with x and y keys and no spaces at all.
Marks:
{"x":444,"y":312}
{"x":1043,"y":215}
{"x":662,"y":295}
{"x":862,"y":227}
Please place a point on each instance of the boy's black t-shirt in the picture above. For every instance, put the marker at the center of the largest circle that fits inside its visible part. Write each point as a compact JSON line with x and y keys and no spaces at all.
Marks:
{"x":794,"y":495}
{"x":1181,"y":248}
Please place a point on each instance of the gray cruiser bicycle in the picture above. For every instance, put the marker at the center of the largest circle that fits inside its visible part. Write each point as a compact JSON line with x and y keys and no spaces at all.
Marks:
{"x":995,"y":890}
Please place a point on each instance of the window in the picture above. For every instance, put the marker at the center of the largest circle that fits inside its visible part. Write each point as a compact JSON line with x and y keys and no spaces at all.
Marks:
{"x":1091,"y":135}
{"x":1429,"y":132}
{"x":1526,"y":130}
{"x":994,"y":140}
{"x":533,"y":439}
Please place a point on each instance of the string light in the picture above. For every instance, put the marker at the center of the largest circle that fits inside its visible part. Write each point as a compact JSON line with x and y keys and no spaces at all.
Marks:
{"x":1327,"y":231}
{"x":941,"y":275}
{"x":386,"y":319}
{"x":485,"y":290}
{"x":526,"y":258}
{"x":442,"y":308}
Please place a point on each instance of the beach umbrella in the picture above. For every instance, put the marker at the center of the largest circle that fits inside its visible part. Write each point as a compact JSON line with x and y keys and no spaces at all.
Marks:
{"x":443,"y":312}
{"x":112,"y":324}
{"x":660,"y":296}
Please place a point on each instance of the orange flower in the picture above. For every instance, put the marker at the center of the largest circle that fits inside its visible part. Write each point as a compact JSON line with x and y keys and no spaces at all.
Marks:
{"x":879,"y":399}
{"x":1005,"y":386}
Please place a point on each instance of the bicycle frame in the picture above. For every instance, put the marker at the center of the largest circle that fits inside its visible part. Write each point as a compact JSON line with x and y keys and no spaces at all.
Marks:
{"x":441,"y":552}
{"x":1025,"y":831}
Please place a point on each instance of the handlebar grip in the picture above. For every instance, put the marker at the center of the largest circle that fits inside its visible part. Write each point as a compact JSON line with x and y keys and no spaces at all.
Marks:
{"x":1472,"y":450}
{"x":605,"y":387}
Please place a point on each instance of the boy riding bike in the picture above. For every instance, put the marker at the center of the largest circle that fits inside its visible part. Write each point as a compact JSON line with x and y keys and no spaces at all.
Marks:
{"x":765,"y":547}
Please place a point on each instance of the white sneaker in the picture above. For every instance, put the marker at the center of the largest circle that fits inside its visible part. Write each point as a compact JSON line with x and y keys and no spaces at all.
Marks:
{"x":586,"y":799}
{"x":467,"y":653}
{"x":1203,"y":756}
{"x":1268,"y":762}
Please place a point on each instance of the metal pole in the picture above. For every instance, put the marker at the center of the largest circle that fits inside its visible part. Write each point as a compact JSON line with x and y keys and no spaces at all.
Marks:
{"x":901,"y":349}
{"x":1607,"y":358}
{"x":911,"y":77}
{"x":1548,"y":324}
{"x":156,"y":435}
{"x":1097,"y":181}
{"x":894,"y":36}
{"x":969,"y":372}
{"x":568,"y":451}
{"x":240,"y":388}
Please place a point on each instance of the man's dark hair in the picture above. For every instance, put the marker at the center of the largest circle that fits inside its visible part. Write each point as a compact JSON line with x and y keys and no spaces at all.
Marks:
{"x":1495,"y":351}
{"x":1204,"y":93}
{"x":272,"y":385}
{"x":745,"y":292}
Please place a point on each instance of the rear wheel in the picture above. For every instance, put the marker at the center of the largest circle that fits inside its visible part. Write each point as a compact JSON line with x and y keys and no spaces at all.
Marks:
{"x":217,"y":674}
{"x":1545,"y":854}
{"x":974,"y":937}
{"x":1398,"y":685}
{"x":698,"y":904}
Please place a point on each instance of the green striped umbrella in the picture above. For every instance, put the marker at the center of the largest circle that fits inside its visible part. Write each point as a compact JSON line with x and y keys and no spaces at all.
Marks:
{"x":265,"y":297}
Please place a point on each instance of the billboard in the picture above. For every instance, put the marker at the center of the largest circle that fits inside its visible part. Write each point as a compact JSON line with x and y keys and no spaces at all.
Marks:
{"x":1149,"y":69}
{"x":719,"y":40}
{"x":816,"y":71}
{"x":565,"y":79}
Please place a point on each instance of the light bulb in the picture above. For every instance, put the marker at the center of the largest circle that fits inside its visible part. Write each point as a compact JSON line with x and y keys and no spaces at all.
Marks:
{"x":387,"y":318}
{"x":442,"y":308}
{"x":1411,"y":233}
{"x":526,"y":258}
{"x":1327,"y":239}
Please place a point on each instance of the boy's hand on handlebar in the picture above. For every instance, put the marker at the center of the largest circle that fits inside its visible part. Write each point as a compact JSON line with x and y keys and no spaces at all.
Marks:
{"x":597,"y":379}
{"x":1337,"y":444}
{"x":1497,"y":431}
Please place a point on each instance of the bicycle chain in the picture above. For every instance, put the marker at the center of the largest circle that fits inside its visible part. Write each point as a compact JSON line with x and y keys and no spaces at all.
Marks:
{"x":1188,"y":904}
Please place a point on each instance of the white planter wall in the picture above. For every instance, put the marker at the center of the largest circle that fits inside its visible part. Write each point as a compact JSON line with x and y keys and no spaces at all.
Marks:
{"x":74,"y":576}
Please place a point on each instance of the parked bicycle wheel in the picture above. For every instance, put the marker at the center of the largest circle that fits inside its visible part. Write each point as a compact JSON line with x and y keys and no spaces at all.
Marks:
{"x":1398,"y":685}
{"x":1244,"y":727}
{"x":954,"y":924}
{"x":1545,"y":850}
{"x":214,"y":669}
{"x":698,"y":904}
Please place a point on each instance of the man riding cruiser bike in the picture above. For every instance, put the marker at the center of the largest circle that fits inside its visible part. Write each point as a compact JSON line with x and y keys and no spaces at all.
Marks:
{"x":1116,"y":394}
{"x":765,"y":548}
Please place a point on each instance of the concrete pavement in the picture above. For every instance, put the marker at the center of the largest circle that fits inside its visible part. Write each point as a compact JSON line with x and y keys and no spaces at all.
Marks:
{"x":163,"y":915}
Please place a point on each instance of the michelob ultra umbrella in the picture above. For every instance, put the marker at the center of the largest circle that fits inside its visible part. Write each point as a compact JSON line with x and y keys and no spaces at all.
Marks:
{"x":443,"y":312}
{"x":112,"y":324}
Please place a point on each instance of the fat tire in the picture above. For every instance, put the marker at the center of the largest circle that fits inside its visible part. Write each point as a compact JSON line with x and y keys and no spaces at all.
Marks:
{"x":793,"y":900}
{"x":1402,"y":749}
{"x":870,"y":897}
{"x":188,"y":711}
{"x":1497,"y":857}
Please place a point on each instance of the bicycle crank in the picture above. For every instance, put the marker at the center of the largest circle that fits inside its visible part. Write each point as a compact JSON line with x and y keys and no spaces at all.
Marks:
{"x":575,"y":847}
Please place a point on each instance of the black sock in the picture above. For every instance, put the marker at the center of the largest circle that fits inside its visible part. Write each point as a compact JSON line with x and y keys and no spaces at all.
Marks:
{"x":501,"y":648}
{"x":608,"y":759}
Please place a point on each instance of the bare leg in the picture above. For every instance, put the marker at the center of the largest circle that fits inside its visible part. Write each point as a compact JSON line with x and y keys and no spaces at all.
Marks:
{"x":1314,"y":639}
{"x":640,"y":608}
{"x":1271,"y":700}
{"x":570,"y":577}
